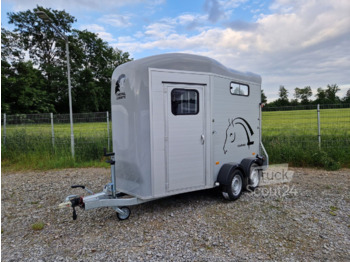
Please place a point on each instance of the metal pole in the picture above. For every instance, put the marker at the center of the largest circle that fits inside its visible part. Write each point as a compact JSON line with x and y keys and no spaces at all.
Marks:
{"x":108,"y":131}
{"x":48,"y":20}
{"x":70,"y":101}
{"x":52,"y":130}
{"x":4,"y":132}
{"x":319,"y":126}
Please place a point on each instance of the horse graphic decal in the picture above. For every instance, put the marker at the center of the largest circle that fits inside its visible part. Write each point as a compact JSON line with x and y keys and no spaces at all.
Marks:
{"x":231,"y":134}
{"x":120,"y":87}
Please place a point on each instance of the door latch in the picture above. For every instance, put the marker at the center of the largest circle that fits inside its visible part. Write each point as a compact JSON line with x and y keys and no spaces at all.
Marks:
{"x":202,"y":139}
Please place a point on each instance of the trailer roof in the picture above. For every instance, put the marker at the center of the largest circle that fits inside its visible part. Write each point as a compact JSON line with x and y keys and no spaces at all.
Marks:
{"x":189,"y":62}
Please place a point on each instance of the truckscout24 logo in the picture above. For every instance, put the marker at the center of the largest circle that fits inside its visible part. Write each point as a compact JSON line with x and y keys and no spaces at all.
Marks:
{"x":231,"y":134}
{"x":120,"y":87}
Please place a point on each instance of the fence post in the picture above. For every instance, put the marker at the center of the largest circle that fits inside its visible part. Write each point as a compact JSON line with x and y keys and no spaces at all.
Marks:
{"x":52,"y":130}
{"x":319,"y":126}
{"x":108,"y":131}
{"x":4,"y":132}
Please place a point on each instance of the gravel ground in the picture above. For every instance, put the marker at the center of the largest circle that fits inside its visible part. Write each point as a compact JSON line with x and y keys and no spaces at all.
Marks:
{"x":307,"y":219}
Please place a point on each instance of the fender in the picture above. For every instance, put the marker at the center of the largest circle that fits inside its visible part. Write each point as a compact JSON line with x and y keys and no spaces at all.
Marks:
{"x":247,"y":162}
{"x":226,"y":170}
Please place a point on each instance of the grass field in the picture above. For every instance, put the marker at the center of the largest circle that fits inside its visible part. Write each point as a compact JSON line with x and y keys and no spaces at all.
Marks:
{"x":288,"y":136}
{"x":32,"y":147}
{"x":292,"y":136}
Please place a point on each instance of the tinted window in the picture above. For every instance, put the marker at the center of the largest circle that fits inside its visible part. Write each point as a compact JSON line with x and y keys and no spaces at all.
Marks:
{"x":239,"y":89}
{"x":184,"y":102}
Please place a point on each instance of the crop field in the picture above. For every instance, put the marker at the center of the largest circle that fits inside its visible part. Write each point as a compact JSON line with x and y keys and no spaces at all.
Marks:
{"x":289,"y":137}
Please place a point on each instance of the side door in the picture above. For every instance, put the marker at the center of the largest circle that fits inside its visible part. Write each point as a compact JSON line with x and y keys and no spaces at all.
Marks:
{"x":185,"y":136}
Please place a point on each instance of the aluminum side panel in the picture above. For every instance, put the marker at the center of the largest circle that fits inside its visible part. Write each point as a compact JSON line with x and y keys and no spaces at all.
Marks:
{"x":236,"y":130}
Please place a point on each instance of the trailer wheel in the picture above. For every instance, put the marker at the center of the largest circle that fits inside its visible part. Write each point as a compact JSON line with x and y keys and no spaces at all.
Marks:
{"x":126,"y":214}
{"x":254,"y":177}
{"x":234,"y":190}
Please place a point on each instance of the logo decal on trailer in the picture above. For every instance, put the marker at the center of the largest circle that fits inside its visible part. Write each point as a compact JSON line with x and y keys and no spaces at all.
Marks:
{"x":120,"y":87}
{"x":231,"y":134}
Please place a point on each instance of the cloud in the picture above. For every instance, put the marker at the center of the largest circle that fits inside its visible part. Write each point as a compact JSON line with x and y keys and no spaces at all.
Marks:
{"x":79,"y":5}
{"x":116,"y":20}
{"x":301,"y":43}
{"x":100,"y":31}
{"x":240,"y":25}
{"x":159,"y":30}
{"x":214,"y":10}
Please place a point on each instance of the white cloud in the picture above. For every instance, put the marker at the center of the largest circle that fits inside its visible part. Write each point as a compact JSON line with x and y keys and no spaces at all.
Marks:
{"x":100,"y":31}
{"x":116,"y":20}
{"x":302,"y":43}
{"x":159,"y":30}
{"x":79,"y":5}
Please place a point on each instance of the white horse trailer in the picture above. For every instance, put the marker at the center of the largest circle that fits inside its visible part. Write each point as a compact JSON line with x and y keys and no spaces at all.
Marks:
{"x":180,"y":123}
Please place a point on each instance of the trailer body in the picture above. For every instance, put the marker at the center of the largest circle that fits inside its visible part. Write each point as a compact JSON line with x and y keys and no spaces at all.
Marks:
{"x":177,"y":119}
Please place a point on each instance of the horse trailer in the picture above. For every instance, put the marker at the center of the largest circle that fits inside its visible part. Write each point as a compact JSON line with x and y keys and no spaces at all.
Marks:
{"x":180,"y":123}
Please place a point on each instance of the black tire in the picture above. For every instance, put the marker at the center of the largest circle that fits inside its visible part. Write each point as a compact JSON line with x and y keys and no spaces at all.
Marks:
{"x":234,"y":190}
{"x":254,"y":177}
{"x":124,"y":216}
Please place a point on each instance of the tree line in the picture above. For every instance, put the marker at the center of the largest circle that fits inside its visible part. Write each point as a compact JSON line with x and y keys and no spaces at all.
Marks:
{"x":302,"y":96}
{"x":34,"y":69}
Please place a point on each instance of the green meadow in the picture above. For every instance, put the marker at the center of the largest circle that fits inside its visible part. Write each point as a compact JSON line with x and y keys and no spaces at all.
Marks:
{"x":32,"y":146}
{"x":288,"y":136}
{"x":292,"y":137}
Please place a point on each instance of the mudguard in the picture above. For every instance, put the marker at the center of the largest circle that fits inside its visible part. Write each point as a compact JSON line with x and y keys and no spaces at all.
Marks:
{"x":246,"y":164}
{"x":226,"y":170}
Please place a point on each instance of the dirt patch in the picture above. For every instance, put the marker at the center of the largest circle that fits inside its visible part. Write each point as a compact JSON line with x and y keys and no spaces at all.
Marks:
{"x":310,"y":221}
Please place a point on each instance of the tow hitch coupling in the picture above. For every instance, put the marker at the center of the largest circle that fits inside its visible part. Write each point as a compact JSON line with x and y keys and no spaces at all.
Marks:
{"x":73,"y":201}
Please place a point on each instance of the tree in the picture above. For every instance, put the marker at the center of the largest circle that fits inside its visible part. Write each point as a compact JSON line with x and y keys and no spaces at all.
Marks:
{"x":46,"y":50}
{"x":11,"y":47}
{"x":346,"y":98}
{"x":92,"y":60}
{"x":22,"y":86}
{"x":321,"y":97}
{"x":283,"y":97}
{"x":38,"y":37}
{"x":303,"y":94}
{"x":331,"y":94}
{"x":23,"y":90}
{"x":263,"y":97}
{"x":294,"y":102}
{"x":283,"y":93}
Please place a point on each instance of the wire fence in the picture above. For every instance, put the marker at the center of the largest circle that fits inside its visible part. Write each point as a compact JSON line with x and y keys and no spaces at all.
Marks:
{"x":30,"y":132}
{"x":324,"y":124}
{"x":285,"y":131}
{"x":316,"y":135}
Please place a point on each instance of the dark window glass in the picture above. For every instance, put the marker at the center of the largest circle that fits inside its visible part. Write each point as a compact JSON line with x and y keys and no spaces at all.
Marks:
{"x":184,"y":102}
{"x":239,"y":89}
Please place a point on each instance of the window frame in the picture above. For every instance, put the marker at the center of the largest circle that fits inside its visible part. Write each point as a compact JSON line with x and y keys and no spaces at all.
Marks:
{"x":240,"y":84}
{"x":185,"y":89}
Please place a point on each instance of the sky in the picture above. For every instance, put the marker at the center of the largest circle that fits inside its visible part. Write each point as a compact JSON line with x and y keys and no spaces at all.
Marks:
{"x":294,"y":43}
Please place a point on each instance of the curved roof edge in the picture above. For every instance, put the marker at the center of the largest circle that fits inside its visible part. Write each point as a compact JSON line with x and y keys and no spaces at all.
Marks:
{"x":189,"y":62}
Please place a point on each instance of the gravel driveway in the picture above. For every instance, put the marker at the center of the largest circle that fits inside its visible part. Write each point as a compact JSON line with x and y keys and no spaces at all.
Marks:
{"x":308,"y":219}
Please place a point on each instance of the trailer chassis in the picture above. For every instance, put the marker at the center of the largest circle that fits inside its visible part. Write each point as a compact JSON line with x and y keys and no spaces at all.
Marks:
{"x":109,"y":197}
